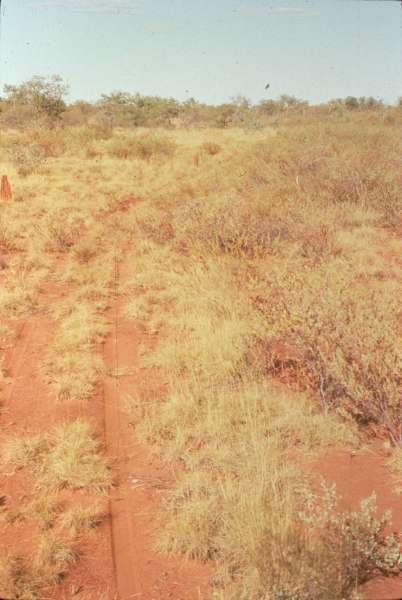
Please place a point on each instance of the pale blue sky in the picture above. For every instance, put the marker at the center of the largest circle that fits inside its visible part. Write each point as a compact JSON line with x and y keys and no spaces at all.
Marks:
{"x":211,"y":50}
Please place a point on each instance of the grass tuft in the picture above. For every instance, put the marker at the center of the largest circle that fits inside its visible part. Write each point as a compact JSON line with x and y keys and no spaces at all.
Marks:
{"x":68,"y":456}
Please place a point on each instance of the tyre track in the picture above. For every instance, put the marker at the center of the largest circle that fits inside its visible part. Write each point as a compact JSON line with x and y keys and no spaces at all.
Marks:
{"x":141,"y":573}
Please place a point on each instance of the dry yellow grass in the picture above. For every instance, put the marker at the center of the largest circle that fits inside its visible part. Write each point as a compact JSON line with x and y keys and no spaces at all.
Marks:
{"x":68,"y":456}
{"x":26,"y":580}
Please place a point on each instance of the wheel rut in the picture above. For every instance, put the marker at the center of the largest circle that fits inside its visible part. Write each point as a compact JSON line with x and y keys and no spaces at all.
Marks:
{"x":140,"y":572}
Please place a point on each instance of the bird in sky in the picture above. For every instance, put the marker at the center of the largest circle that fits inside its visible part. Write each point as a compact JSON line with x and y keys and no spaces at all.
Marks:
{"x":267,"y":86}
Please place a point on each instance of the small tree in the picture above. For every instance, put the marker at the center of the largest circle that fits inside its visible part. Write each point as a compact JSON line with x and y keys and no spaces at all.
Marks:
{"x":44,"y":95}
{"x":291,"y":104}
{"x":351,"y":103}
{"x":241,"y":101}
{"x":268,"y":107}
{"x":370,"y":103}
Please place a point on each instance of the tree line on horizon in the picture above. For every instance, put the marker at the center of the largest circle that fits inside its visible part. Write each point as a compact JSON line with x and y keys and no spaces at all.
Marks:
{"x":44,"y":98}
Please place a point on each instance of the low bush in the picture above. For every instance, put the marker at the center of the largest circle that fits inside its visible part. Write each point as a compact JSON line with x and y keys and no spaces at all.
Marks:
{"x":142,"y":146}
{"x":26,"y":159}
{"x":51,"y":142}
{"x":229,"y":225}
{"x":86,"y":135}
{"x":345,"y":337}
{"x":329,"y":552}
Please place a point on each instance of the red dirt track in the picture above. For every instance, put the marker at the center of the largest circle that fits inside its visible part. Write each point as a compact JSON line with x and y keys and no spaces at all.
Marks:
{"x":140,"y":571}
{"x":118,"y":559}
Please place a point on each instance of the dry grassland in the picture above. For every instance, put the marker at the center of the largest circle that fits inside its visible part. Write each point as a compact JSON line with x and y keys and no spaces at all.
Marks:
{"x":267,"y":273}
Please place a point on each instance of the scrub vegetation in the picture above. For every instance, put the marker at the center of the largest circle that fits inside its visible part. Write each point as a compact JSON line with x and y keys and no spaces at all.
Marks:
{"x":264,"y":244}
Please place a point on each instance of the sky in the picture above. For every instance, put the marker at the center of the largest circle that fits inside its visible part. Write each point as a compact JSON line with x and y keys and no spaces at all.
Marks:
{"x":211,"y":50}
